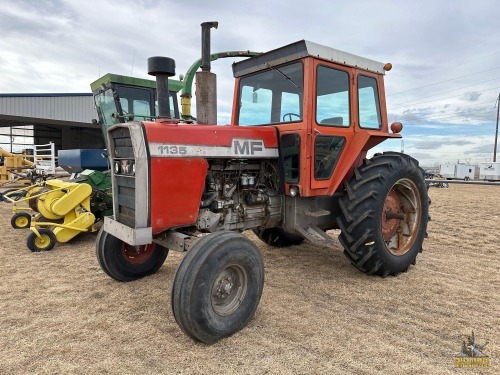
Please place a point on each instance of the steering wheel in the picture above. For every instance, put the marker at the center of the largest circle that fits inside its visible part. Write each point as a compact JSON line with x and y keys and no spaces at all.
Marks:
{"x":290,"y":114}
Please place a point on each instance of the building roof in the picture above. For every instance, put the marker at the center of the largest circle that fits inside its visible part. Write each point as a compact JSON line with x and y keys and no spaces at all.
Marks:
{"x":73,"y":109}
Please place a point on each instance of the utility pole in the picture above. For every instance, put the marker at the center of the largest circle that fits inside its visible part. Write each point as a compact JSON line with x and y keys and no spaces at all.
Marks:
{"x":496,"y":133}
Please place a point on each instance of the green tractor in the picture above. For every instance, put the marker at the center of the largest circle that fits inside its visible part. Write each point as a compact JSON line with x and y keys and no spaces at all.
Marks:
{"x":120,"y":99}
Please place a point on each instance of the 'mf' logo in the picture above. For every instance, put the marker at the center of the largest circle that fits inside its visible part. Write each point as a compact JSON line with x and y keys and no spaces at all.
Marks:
{"x":247,"y":147}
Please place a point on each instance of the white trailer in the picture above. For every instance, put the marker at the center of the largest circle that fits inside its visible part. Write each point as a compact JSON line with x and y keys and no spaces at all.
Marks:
{"x":489,"y":171}
{"x":447,"y":170}
{"x":457,"y":171}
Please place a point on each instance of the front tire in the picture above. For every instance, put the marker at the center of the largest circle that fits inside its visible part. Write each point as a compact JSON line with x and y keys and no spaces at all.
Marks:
{"x":45,"y":242}
{"x":124,"y":262}
{"x":217,"y":286}
{"x":384,"y":214}
{"x":20,"y":220}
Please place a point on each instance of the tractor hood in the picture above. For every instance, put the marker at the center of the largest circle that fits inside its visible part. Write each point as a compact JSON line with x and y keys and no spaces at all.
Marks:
{"x":179,"y":140}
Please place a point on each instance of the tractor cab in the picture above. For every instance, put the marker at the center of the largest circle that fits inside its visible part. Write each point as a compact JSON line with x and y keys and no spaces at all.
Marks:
{"x":119,"y":99}
{"x":327,"y":105}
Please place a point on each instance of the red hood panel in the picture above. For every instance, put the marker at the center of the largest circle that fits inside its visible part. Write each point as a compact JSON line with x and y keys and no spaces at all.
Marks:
{"x":210,"y":135}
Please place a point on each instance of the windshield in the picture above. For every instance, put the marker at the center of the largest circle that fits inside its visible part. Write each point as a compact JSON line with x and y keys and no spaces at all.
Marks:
{"x":135,"y":104}
{"x":272,"y":96}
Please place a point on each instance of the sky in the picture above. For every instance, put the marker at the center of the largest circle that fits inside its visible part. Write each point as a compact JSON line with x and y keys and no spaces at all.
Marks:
{"x":445,"y":54}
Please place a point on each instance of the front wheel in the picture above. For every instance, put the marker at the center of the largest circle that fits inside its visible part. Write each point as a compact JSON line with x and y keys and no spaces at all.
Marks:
{"x":44,"y":242}
{"x":384,"y":214}
{"x":217,"y":286}
{"x":124,"y":262}
{"x":20,"y":220}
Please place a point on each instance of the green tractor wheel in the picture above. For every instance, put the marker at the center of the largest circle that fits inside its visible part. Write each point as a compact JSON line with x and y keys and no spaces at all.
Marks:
{"x":45,"y":242}
{"x":20,"y":220}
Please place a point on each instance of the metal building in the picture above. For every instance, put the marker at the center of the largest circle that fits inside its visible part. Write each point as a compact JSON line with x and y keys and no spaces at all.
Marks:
{"x":65,"y":119}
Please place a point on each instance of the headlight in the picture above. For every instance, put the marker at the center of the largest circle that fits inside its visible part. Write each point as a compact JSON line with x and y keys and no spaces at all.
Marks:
{"x":126,"y":167}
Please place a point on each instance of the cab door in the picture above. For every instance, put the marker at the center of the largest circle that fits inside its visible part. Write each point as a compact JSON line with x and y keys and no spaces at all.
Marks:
{"x":348,"y":120}
{"x":332,"y":121}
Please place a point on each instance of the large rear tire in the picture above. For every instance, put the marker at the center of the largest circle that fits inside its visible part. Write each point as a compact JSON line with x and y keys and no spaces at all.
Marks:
{"x":277,"y":237}
{"x":123,"y":262}
{"x":217,"y":286}
{"x":384,"y":214}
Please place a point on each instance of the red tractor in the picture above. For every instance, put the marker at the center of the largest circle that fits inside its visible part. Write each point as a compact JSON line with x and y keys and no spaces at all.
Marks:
{"x":291,"y":166}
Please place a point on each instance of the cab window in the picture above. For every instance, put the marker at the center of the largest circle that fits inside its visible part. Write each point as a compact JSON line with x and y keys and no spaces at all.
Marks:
{"x":135,"y":103}
{"x":327,"y":150}
{"x":272,"y":96}
{"x":368,"y":103}
{"x":332,"y":97}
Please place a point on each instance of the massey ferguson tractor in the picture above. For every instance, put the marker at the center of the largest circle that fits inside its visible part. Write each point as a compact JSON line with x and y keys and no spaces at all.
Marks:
{"x":291,"y":165}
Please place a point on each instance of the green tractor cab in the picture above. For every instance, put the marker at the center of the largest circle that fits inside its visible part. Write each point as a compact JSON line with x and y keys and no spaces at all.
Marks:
{"x":119,"y":99}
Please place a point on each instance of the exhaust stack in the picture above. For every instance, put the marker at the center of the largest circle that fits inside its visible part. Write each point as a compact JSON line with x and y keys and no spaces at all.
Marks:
{"x":206,"y":81}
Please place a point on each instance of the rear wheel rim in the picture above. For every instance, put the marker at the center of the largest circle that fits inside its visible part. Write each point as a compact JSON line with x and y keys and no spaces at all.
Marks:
{"x":229,"y":289}
{"x":401,"y":217}
{"x":137,"y":254}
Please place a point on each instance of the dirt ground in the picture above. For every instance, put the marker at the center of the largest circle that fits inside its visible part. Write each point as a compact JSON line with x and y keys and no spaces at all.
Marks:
{"x":60,"y":314}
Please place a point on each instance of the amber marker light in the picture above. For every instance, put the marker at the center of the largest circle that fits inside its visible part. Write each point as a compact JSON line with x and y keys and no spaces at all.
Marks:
{"x":387,"y":67}
{"x":396,"y":127}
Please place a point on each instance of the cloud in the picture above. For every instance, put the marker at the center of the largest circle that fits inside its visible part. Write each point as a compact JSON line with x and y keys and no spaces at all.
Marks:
{"x":63,"y":45}
{"x":471,"y":96}
{"x":486,"y":149}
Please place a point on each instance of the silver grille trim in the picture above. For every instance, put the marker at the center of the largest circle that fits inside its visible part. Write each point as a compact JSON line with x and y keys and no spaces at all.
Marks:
{"x":130,"y":192}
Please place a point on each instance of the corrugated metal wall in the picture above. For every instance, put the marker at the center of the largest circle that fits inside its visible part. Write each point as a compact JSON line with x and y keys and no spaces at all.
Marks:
{"x":65,"y":107}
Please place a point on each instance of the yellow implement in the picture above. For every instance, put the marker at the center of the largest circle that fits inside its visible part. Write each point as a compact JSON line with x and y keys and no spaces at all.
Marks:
{"x":67,"y":206}
{"x":23,"y":201}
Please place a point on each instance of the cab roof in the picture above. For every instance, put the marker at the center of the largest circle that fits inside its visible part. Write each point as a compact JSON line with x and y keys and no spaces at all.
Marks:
{"x":173,"y":84}
{"x":304,"y":48}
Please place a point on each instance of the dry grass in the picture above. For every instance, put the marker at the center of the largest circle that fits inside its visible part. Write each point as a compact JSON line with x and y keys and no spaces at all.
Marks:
{"x":59,"y":313}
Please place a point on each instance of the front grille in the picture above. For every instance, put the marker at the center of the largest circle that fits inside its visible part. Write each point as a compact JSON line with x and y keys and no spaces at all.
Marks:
{"x":124,"y":180}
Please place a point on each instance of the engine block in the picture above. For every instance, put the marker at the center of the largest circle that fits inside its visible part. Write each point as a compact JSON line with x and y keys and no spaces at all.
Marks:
{"x":240,"y":195}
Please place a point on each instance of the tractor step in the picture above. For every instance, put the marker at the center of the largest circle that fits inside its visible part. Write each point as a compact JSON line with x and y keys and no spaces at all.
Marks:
{"x":318,"y":213}
{"x":315,"y":235}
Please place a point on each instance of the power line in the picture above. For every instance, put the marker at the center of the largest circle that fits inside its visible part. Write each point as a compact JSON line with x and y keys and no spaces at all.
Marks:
{"x":448,"y":97}
{"x":475,"y":104}
{"x":444,"y":92}
{"x":446,"y":80}
{"x":446,"y":113}
{"x":482,"y":117}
